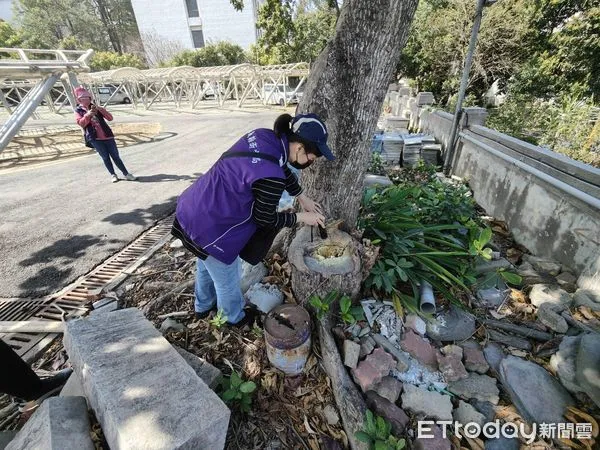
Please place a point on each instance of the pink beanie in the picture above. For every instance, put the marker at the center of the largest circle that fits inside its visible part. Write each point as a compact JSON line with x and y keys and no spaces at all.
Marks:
{"x":82,"y":92}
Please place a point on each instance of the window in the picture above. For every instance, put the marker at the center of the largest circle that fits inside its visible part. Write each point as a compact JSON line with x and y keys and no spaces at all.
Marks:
{"x":192,"y":7}
{"x":198,"y":38}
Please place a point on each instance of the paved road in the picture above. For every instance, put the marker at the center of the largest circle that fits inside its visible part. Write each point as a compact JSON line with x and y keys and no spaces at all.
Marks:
{"x":60,"y":220}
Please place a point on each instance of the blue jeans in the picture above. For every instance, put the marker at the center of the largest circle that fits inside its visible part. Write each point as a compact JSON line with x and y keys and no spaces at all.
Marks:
{"x":107,"y":149}
{"x":219,"y":283}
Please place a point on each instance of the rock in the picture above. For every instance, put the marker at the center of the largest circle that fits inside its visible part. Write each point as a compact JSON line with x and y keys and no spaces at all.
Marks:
{"x":106,"y":307}
{"x":486,"y":408}
{"x":419,"y":348}
{"x":372,"y":370}
{"x":6,"y":437}
{"x":537,"y":395}
{"x":588,"y":365}
{"x":474,"y":358}
{"x":543,"y":265}
{"x":493,"y":266}
{"x":103,"y":302}
{"x":592,"y":294}
{"x":552,"y":295}
{"x":176,"y":244}
{"x":367,"y":345}
{"x":494,"y":355}
{"x":509,"y":339}
{"x":480,"y":387}
{"x":206,"y":371}
{"x":252,"y":275}
{"x":331,"y":415}
{"x":59,"y":423}
{"x":563,"y":362}
{"x":170,"y":324}
{"x":502,"y":443}
{"x":530,"y":276}
{"x":466,"y":413}
{"x":452,"y":325}
{"x":492,"y":297}
{"x":179,"y":254}
{"x":142,"y":391}
{"x":548,"y":317}
{"x":437,"y":442}
{"x":416,"y":324}
{"x":426,"y":403}
{"x":403,"y":358}
{"x":451,"y":363}
{"x":581,"y":298}
{"x":351,"y":353}
{"x":389,"y":388}
{"x":567,"y":281}
{"x":265,"y":296}
{"x":389,"y":411}
{"x":72,"y":388}
{"x":382,"y":180}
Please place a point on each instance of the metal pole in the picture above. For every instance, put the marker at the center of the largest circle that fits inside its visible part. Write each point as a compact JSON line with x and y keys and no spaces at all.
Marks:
{"x":463,"y":87}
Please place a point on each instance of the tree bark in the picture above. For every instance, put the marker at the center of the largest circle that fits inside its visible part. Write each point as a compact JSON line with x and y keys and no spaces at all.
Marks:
{"x":346,"y":88}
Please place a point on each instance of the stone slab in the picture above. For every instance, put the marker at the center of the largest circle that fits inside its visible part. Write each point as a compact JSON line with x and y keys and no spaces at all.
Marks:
{"x":206,"y":371}
{"x":426,"y":403}
{"x":144,"y":394}
{"x":588,"y":365}
{"x":73,"y":387}
{"x":538,"y":396}
{"x":6,"y":437}
{"x":60,"y":423}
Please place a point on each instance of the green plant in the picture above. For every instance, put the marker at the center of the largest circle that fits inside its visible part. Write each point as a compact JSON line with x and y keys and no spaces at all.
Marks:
{"x":219,"y":319}
{"x":500,"y":279}
{"x":477,"y":247}
{"x":377,"y":432}
{"x":376,"y":167}
{"x":322,"y":305}
{"x":350,"y":314}
{"x":237,"y":391}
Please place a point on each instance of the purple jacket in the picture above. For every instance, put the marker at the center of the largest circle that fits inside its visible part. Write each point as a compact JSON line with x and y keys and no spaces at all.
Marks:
{"x":216,"y":211}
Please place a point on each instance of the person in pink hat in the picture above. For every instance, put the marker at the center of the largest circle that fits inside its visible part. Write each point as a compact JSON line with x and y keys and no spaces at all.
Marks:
{"x":97,"y":133}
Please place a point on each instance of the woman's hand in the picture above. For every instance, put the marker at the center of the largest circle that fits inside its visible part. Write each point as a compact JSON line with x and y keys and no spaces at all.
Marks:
{"x":311,"y":218}
{"x":309,"y":205}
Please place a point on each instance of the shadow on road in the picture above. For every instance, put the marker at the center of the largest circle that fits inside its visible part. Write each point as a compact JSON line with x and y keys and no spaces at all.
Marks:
{"x":58,"y":264}
{"x":162,"y":177}
{"x":144,"y":217}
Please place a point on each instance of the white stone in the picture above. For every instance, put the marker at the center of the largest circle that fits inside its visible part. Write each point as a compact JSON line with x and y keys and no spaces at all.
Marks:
{"x":142,"y":391}
{"x":265,"y":296}
{"x":415,"y":323}
{"x":351,"y":353}
{"x":60,"y":423}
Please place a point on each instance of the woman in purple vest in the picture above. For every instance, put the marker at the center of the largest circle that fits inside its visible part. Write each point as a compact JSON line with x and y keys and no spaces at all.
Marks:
{"x":97,"y":133}
{"x":222,"y":210}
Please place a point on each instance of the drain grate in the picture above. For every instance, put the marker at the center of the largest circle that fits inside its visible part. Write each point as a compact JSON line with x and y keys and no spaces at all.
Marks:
{"x":74,"y":301}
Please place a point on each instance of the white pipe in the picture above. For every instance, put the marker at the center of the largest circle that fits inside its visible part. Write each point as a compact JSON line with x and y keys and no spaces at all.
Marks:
{"x":561,"y":185}
{"x":427,"y":298}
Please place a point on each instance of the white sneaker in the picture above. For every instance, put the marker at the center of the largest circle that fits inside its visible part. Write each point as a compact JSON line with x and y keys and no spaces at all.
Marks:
{"x":114,"y":178}
{"x":130,"y":177}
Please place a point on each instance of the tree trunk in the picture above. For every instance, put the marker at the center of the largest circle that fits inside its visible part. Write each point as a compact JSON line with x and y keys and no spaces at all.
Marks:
{"x":108,"y":24}
{"x":346,"y":88}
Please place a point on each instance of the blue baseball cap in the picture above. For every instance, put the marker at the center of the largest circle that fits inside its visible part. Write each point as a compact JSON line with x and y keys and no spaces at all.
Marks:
{"x":311,"y":128}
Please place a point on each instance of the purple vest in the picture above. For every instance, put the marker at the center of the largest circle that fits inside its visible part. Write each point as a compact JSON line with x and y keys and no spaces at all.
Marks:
{"x":216,"y":211}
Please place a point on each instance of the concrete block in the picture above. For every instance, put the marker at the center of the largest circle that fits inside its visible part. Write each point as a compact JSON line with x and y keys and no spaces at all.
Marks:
{"x":206,"y":371}
{"x":73,"y":387}
{"x":60,"y":423}
{"x":143,"y":392}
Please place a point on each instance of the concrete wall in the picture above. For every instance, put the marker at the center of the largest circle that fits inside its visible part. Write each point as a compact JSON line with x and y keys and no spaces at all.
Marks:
{"x":550,"y":202}
{"x":221,"y":22}
{"x":166,"y":18}
{"x":6,"y":13}
{"x":218,"y":20}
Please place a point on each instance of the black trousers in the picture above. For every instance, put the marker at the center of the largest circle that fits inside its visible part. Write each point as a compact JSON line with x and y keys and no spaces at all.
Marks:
{"x":16,"y":377}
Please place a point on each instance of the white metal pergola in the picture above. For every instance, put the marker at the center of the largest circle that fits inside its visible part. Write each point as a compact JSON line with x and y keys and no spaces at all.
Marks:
{"x":31,"y":77}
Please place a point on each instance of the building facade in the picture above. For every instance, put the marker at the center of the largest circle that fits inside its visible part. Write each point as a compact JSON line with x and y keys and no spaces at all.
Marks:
{"x":195,"y":23}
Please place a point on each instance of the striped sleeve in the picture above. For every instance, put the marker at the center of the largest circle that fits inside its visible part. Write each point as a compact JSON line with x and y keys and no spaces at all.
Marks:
{"x":267,"y":193}
{"x":291,"y":182}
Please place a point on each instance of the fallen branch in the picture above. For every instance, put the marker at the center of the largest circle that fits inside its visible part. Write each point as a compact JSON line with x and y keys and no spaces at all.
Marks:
{"x":350,"y":402}
{"x":520,"y":330}
{"x":32,"y":326}
{"x":175,"y":314}
{"x":158,"y":302}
